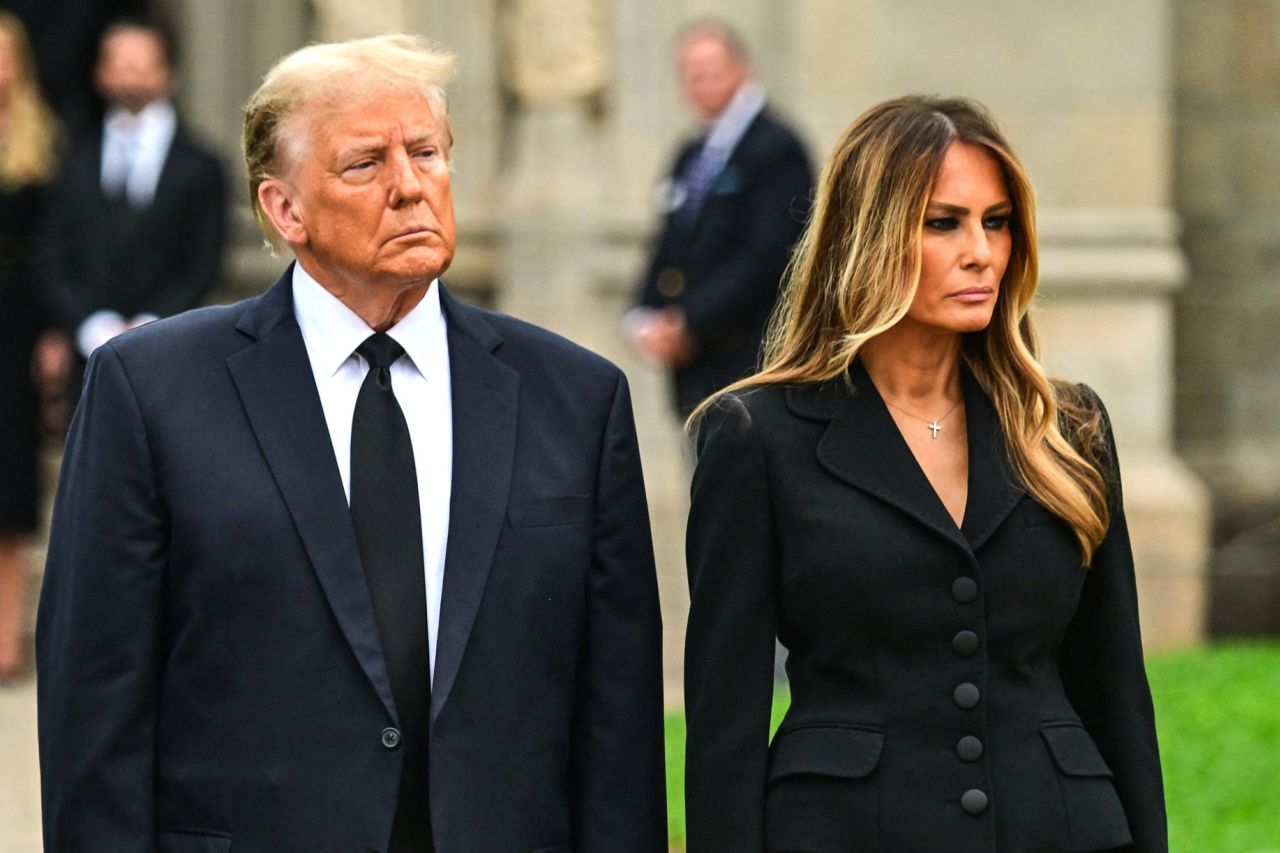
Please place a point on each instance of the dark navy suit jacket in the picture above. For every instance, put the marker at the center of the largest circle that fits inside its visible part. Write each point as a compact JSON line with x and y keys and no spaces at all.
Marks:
{"x":210,"y":673}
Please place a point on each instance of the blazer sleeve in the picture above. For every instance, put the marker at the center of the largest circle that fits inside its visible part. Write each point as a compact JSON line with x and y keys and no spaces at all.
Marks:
{"x":1104,"y":676}
{"x":730,"y":643}
{"x":99,"y":628}
{"x":617,"y":754}
{"x":750,"y":275}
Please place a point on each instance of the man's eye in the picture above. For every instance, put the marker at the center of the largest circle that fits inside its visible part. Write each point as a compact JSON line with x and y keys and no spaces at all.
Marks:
{"x":360,"y":166}
{"x":944,"y":224}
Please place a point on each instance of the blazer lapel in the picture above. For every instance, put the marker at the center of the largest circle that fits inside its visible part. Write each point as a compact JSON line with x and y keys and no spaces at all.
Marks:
{"x":863,"y":447}
{"x":994,"y":488}
{"x":485,"y":401}
{"x":273,"y":376}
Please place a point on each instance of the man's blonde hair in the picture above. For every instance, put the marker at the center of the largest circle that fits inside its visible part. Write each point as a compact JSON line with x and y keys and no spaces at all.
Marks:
{"x":328,"y":77}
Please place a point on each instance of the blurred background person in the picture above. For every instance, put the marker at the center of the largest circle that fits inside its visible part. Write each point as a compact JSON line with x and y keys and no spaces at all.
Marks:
{"x":734,"y":205}
{"x":32,"y":359}
{"x":65,"y":46}
{"x":137,"y":219}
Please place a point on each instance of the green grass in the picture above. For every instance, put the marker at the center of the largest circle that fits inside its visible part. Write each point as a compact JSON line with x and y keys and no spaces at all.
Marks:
{"x":1218,"y":716}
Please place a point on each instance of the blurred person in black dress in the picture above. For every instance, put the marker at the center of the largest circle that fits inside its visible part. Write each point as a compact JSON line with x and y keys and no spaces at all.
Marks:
{"x":137,"y":216}
{"x":33,"y":360}
{"x":734,"y":205}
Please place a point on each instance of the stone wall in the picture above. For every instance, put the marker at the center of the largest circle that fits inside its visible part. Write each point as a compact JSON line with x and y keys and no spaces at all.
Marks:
{"x":1227,"y":190}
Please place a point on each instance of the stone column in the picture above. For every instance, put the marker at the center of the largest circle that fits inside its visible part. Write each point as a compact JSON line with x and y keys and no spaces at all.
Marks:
{"x":1228,"y":194}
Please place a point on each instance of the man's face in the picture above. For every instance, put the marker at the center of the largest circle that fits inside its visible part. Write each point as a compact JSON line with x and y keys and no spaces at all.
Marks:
{"x":709,"y":75}
{"x":132,"y":70}
{"x":370,"y":195}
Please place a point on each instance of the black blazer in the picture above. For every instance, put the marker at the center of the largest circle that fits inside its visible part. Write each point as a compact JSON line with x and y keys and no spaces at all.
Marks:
{"x":164,"y":259}
{"x":723,"y":271}
{"x":971,"y":689}
{"x":210,"y":673}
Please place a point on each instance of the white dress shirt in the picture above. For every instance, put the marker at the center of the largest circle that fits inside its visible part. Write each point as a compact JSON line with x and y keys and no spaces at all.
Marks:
{"x":420,"y":380}
{"x":134,"y":148}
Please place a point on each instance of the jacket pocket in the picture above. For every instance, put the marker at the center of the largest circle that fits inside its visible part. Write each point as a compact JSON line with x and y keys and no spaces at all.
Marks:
{"x":846,"y":752}
{"x":192,"y":842}
{"x":549,"y":512}
{"x":1095,"y":817}
{"x":823,"y":795}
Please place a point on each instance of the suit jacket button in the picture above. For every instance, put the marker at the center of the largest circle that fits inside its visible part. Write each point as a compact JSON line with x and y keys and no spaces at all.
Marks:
{"x":965,"y":643}
{"x":390,"y":737}
{"x":964,"y":590}
{"x":966,"y":695}
{"x":969,"y":748}
{"x":973,"y":801}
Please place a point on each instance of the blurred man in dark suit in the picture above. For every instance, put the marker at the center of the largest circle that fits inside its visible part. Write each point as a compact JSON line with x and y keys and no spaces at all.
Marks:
{"x":735,"y":204}
{"x":137,"y":219}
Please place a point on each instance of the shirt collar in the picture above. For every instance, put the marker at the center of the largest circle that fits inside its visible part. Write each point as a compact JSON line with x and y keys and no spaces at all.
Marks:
{"x":728,"y":127}
{"x":156,"y":117}
{"x":332,"y":331}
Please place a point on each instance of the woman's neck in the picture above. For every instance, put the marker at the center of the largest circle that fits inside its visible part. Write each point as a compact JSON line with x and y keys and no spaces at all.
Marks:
{"x":915,"y":366}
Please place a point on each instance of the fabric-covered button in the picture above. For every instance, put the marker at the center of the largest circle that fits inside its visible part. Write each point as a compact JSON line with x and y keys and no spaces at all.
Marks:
{"x":969,"y":748}
{"x":966,"y":695}
{"x":973,"y":801}
{"x":390,"y":737}
{"x":965,"y":643}
{"x":964,"y":590}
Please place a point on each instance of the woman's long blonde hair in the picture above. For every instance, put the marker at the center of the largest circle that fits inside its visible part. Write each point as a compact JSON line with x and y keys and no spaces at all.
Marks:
{"x":27,"y":150}
{"x":855,"y":273}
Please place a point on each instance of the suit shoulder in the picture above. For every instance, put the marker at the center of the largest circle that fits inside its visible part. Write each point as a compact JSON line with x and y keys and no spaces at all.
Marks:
{"x":172,"y":340}
{"x":526,"y":344}
{"x":773,"y":134}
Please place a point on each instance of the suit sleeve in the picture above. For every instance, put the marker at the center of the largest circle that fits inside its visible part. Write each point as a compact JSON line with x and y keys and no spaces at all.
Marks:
{"x":617,"y":762}
{"x":730,"y":643}
{"x":750,"y":275}
{"x":203,"y":236}
{"x":1104,"y":675}
{"x":99,"y":629}
{"x":647,"y":295}
{"x":61,"y":255}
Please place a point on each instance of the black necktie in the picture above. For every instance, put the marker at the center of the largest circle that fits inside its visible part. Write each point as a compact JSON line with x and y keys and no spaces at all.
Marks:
{"x":388,"y":524}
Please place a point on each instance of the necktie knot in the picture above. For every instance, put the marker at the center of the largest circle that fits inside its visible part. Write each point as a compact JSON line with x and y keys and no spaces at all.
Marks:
{"x":380,"y":350}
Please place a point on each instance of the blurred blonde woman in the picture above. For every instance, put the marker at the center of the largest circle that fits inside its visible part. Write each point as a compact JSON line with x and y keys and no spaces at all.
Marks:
{"x":27,"y":360}
{"x":931,"y":527}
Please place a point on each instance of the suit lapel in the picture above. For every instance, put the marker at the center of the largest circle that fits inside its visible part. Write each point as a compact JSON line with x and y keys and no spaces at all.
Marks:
{"x":994,"y":488}
{"x":863,"y":447}
{"x":485,"y":399}
{"x":274,"y":379}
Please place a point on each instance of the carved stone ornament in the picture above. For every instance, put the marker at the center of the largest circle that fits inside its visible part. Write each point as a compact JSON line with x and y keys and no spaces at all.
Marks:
{"x":554,"y":51}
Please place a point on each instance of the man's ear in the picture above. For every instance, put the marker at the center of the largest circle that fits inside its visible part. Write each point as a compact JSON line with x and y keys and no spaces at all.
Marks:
{"x":280,"y":203}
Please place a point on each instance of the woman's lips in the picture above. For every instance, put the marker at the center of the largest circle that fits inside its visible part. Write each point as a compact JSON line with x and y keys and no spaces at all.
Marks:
{"x":973,"y":294}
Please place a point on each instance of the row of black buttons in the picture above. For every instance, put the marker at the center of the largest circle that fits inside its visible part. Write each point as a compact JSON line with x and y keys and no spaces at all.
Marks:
{"x":967,"y":695}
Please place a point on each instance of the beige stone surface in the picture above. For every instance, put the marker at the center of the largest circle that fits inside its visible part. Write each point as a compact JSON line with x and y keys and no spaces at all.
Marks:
{"x":19,"y":770}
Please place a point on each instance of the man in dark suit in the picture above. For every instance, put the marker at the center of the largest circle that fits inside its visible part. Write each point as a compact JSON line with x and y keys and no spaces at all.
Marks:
{"x":735,"y":204}
{"x":351,"y":565}
{"x":136,"y":221}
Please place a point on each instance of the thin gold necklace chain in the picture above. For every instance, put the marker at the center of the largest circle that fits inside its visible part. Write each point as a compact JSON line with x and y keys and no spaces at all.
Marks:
{"x":935,"y":425}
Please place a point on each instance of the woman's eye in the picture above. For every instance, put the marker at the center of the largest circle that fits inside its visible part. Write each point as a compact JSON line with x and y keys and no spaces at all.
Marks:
{"x":944,"y":224}
{"x":996,"y":223}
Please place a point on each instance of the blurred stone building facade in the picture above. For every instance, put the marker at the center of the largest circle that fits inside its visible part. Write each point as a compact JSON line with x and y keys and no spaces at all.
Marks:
{"x":1149,"y":128}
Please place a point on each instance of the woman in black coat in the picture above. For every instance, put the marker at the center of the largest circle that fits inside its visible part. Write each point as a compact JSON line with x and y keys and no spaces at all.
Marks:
{"x":931,"y":527}
{"x":27,"y":357}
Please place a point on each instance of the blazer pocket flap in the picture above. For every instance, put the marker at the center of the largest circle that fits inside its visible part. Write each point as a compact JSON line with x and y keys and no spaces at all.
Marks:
{"x":841,"y":751}
{"x":192,"y":842}
{"x":1074,"y":751}
{"x":548,"y":512}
